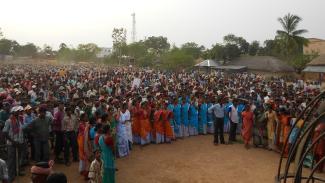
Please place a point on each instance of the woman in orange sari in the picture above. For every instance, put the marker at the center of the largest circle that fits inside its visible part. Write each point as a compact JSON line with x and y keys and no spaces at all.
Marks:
{"x":158,"y":128}
{"x":84,"y":145}
{"x":285,"y":127}
{"x":135,"y":122}
{"x":248,"y":119}
{"x":145,"y":127}
{"x":167,"y":115}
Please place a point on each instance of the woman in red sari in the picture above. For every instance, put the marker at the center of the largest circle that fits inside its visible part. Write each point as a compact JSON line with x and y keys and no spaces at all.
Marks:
{"x":248,"y":118}
{"x":84,"y":145}
{"x":145,"y":127}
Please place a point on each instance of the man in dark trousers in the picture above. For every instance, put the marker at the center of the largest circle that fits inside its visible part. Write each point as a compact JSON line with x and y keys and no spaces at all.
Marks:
{"x":218,"y":111}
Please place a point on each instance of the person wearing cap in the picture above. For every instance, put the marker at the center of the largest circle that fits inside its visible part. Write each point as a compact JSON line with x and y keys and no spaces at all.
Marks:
{"x":13,"y":131}
{"x":39,"y":128}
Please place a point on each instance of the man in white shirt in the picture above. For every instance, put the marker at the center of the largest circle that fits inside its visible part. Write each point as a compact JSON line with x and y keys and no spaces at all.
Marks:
{"x":233,"y":119}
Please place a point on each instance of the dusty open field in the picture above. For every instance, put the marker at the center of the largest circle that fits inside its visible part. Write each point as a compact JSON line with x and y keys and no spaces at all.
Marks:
{"x":193,"y":160}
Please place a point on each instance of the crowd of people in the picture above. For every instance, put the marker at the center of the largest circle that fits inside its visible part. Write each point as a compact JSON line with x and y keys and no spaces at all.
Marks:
{"x":93,"y":115}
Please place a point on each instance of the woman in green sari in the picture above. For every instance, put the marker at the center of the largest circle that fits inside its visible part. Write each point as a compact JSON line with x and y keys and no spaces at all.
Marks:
{"x":106,"y":144}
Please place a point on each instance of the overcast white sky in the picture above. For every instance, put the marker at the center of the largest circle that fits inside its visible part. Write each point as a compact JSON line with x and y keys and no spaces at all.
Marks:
{"x":202,"y":21}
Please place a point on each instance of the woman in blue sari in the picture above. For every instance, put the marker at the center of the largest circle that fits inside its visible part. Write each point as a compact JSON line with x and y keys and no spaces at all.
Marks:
{"x":203,"y":117}
{"x":185,"y":121}
{"x":106,"y":144}
{"x":177,"y":117}
{"x":194,"y":118}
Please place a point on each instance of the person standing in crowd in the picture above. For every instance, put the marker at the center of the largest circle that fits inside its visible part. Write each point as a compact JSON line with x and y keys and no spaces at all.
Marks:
{"x":58,"y":131}
{"x":28,"y":118}
{"x":106,"y":144}
{"x":218,"y":112}
{"x":13,"y":131}
{"x":70,"y":127}
{"x":233,"y":120}
{"x":194,"y":118}
{"x":247,"y":127}
{"x":260,"y":138}
{"x":319,"y":148}
{"x":272,"y":121}
{"x":158,"y":129}
{"x":96,"y":168}
{"x":84,"y":144}
{"x":145,"y":129}
{"x":210,"y":118}
{"x":4,"y":178}
{"x":185,"y":119}
{"x":178,"y":119}
{"x":125,"y":117}
{"x":167,"y":121}
{"x":203,"y":117}
{"x":122,"y":136}
{"x":39,"y":128}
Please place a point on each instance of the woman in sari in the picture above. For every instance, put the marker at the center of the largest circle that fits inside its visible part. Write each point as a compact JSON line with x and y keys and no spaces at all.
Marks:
{"x":167,"y":117}
{"x":106,"y":144}
{"x":248,"y":118}
{"x":145,"y":128}
{"x":271,"y":126}
{"x":158,"y":130}
{"x":84,"y":145}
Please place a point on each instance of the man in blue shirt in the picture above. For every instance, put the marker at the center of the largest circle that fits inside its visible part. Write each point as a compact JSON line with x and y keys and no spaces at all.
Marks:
{"x":218,"y":111}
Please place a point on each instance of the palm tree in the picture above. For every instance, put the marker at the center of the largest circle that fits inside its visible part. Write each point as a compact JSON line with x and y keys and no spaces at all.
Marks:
{"x":290,"y":36}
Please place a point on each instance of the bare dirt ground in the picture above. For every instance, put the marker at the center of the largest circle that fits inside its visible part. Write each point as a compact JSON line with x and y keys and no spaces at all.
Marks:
{"x":192,"y":160}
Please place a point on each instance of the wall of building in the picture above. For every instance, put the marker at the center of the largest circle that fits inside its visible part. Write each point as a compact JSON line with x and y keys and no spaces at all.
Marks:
{"x":317,"y":45}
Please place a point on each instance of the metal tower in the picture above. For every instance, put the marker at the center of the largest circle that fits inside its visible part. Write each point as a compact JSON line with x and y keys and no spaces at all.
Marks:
{"x":133,"y":28}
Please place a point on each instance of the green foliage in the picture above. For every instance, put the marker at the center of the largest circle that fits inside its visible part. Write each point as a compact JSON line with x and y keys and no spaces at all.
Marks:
{"x":27,"y":50}
{"x":8,"y":47}
{"x":84,"y":52}
{"x":253,"y":48}
{"x":1,"y":34}
{"x":158,"y":45}
{"x":241,"y":43}
{"x":290,"y":36}
{"x":177,"y":59}
{"x":193,"y":49}
{"x":137,"y":50}
{"x":119,"y":41}
{"x":300,"y":61}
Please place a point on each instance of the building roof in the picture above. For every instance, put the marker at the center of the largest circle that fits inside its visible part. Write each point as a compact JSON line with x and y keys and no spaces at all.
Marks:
{"x":263,"y":63}
{"x":320,"y":60}
{"x":317,"y":69}
{"x":231,"y":67}
{"x":207,"y":63}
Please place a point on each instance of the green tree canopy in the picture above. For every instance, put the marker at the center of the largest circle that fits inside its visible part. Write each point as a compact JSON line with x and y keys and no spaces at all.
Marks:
{"x":253,"y":48}
{"x":193,"y":49}
{"x":158,"y":44}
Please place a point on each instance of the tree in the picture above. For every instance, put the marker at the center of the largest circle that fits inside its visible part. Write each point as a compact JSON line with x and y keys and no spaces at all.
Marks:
{"x":193,"y":49}
{"x":301,"y":60}
{"x":290,"y":36}
{"x":217,"y":52}
{"x":253,"y":48}
{"x":239,"y":41}
{"x":1,"y":34}
{"x":119,"y":40}
{"x":137,"y":49}
{"x":231,"y":51}
{"x":27,"y":50}
{"x":8,"y":47}
{"x":86,"y":52}
{"x":158,"y":44}
{"x":177,"y":59}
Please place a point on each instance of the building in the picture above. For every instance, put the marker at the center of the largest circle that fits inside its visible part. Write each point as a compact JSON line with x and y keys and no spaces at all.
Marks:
{"x":104,"y":52}
{"x":315,"y":70}
{"x":263,"y":64}
{"x":316,"y":45}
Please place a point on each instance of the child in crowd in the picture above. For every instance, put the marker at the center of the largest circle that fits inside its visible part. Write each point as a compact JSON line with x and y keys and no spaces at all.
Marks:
{"x":95,"y":170}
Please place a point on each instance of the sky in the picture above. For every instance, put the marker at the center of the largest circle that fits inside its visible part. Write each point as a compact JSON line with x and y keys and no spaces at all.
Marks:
{"x":202,"y":21}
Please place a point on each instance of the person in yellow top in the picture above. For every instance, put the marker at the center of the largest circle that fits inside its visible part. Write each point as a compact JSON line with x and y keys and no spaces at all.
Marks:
{"x":272,"y":121}
{"x":62,"y":72}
